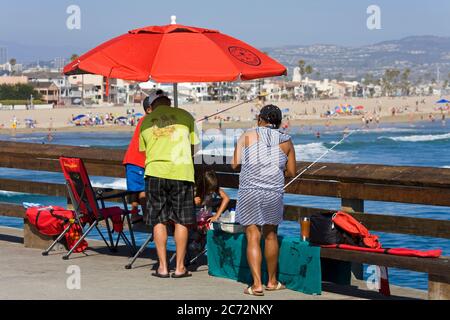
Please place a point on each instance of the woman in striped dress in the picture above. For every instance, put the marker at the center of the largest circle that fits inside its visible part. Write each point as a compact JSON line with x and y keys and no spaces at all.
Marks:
{"x":265,"y":157}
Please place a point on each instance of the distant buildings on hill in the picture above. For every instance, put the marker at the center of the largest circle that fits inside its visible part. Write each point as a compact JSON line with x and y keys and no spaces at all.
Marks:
{"x":88,"y":89}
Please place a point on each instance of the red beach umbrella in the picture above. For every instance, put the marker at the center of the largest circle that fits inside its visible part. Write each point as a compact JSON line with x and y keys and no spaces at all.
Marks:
{"x":176,"y":53}
{"x":360,"y":108}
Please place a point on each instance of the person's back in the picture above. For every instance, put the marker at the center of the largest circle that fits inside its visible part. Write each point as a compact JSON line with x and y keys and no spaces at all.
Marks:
{"x":263,"y":155}
{"x":263,"y":161}
{"x":166,"y":136}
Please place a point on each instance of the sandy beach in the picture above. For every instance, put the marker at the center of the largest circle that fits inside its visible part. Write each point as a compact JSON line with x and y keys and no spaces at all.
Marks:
{"x":308,"y":113}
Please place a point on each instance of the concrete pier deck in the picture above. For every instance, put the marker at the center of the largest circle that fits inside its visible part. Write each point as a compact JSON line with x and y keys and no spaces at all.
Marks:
{"x":26,"y":274}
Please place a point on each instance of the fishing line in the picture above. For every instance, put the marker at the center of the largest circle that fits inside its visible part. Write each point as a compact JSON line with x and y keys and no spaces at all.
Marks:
{"x":319,"y":158}
{"x":229,"y":108}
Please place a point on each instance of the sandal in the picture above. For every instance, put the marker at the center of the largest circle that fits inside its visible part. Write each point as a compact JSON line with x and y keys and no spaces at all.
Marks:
{"x":186,"y":274}
{"x":160,"y":275}
{"x":279,"y":286}
{"x":252,"y":292}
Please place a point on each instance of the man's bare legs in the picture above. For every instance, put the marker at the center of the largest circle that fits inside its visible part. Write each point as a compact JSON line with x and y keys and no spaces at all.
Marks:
{"x":181,"y":239}
{"x":160,"y":238}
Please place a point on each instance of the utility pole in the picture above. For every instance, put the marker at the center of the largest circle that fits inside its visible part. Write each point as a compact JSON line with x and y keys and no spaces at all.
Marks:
{"x":82,"y":90}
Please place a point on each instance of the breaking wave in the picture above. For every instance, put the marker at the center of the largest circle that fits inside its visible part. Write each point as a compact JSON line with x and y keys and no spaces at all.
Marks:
{"x":419,"y":138}
{"x":118,"y":184}
{"x":312,"y":151}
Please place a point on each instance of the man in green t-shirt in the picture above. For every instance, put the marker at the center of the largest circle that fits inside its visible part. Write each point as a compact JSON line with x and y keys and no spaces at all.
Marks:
{"x":168,"y":136}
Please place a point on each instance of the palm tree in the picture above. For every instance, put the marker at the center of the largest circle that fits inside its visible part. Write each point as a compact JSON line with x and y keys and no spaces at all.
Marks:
{"x":74,"y":57}
{"x":304,"y":69}
{"x":12,"y":62}
{"x":405,"y":83}
{"x":390,"y":80}
{"x":368,"y":79}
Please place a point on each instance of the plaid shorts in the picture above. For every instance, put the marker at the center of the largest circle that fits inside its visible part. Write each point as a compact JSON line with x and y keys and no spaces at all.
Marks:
{"x":170,"y":200}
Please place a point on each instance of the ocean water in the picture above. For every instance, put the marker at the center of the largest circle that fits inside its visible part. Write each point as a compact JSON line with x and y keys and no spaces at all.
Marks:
{"x":420,"y":144}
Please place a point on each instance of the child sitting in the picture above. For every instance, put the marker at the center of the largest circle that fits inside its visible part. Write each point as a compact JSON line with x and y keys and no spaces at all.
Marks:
{"x":209,"y":196}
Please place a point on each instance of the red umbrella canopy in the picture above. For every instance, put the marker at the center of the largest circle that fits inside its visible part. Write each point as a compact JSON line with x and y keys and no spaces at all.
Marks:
{"x":176,"y":53}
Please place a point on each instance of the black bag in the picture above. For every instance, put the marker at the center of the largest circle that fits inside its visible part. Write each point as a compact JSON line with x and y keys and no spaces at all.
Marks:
{"x":324,"y":232}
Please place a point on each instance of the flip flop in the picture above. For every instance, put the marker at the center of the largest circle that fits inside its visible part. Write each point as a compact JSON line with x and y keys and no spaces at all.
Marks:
{"x":279,"y":286}
{"x":186,"y":274}
{"x":252,"y":292}
{"x":159,"y":275}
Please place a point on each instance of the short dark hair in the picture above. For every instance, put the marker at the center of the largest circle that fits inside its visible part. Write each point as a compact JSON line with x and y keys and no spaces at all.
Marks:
{"x":163,"y":100}
{"x":272,"y":115}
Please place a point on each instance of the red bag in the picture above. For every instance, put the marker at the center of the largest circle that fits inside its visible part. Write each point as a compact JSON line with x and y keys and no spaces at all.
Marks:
{"x":50,"y":220}
{"x":359,"y":233}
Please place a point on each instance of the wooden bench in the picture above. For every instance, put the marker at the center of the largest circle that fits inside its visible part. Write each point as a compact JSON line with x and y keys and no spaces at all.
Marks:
{"x":438,"y":269}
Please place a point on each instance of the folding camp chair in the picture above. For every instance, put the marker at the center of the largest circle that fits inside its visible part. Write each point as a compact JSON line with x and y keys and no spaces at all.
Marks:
{"x":189,"y":259}
{"x":87,"y":210}
{"x":140,"y":251}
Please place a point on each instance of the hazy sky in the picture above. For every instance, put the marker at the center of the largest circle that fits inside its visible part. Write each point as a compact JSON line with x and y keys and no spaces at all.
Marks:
{"x":262,"y":23}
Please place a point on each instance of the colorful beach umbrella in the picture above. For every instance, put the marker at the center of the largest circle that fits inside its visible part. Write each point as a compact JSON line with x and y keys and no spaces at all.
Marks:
{"x":78,"y":117}
{"x":176,"y":53}
{"x":443,"y":101}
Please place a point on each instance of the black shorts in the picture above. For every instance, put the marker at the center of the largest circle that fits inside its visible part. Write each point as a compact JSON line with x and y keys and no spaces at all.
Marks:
{"x":170,"y":200}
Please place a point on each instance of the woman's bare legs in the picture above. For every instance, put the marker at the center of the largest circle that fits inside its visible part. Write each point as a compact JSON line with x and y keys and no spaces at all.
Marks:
{"x":254,"y":256}
{"x":271,"y":250}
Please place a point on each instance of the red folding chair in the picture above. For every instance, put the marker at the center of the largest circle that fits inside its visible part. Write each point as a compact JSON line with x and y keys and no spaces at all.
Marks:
{"x":86,"y":207}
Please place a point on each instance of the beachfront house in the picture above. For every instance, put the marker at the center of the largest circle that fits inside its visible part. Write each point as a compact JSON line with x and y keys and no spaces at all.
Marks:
{"x":49,"y":91}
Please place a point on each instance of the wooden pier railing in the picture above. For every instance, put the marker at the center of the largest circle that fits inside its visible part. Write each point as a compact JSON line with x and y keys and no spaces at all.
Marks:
{"x":352,"y":183}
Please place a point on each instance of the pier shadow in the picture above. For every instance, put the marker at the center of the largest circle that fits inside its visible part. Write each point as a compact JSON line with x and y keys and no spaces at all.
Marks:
{"x":147,"y":259}
{"x":11,"y":238}
{"x":356,"y":292}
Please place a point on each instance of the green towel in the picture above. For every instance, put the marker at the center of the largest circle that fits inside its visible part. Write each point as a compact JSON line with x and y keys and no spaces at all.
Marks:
{"x":299,"y":263}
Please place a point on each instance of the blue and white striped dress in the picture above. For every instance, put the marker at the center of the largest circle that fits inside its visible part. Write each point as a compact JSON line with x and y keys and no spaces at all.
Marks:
{"x":261,"y":182}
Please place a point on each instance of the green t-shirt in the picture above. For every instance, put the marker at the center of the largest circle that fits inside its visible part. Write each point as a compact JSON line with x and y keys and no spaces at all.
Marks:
{"x":166,"y":137}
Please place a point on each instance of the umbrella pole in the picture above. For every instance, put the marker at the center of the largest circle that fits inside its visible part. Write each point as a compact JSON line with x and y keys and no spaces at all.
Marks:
{"x":175,"y":95}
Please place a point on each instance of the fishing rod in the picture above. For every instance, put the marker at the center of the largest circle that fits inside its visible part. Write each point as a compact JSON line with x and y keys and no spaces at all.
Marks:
{"x":308,"y":167}
{"x":319,"y":158}
{"x":232,"y":107}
